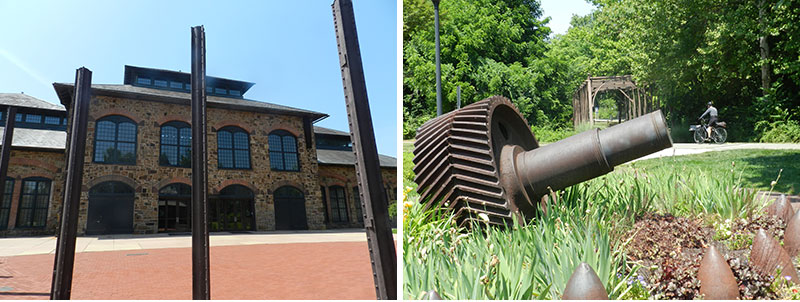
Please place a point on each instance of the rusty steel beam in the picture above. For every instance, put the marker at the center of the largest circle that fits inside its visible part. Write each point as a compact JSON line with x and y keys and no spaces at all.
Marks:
{"x":483,"y":159}
{"x":370,"y":182}
{"x":201,"y":282}
{"x":65,"y":246}
{"x":5,"y":151}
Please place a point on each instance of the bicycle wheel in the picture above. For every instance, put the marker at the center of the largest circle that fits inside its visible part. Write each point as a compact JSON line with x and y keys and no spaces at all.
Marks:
{"x":699,"y":135}
{"x":720,"y":135}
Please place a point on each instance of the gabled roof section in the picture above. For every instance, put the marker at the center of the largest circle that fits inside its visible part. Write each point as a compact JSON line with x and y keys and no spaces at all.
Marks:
{"x":24,"y":100}
{"x":329,"y":131}
{"x":25,"y":138}
{"x":65,"y":91}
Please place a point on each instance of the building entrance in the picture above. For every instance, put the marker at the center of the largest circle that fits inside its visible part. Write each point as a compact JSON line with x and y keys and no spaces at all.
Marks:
{"x":175,"y":208}
{"x":110,"y":209}
{"x":232,"y":210}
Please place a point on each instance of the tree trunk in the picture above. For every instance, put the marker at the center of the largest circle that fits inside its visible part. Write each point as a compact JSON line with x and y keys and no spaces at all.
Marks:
{"x":764,"y":46}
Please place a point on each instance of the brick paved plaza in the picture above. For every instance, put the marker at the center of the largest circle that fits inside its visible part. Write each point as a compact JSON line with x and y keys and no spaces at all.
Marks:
{"x":312,"y":269}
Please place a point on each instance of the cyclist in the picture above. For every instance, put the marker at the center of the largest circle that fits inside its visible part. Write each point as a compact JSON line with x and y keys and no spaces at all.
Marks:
{"x":712,"y":121}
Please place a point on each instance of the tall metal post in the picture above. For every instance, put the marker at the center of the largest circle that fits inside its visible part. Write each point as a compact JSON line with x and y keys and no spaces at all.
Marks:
{"x":5,"y":152}
{"x":438,"y":63}
{"x":201,"y":282}
{"x":370,"y":183}
{"x":458,"y":97}
{"x":61,"y":288}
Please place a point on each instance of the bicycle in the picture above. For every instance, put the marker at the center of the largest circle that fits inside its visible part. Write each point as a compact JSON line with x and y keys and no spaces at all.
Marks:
{"x":718,"y":134}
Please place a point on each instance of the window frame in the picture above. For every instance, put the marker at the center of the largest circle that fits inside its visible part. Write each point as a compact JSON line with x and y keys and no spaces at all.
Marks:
{"x":282,"y":134}
{"x":34,"y":208}
{"x":8,"y":193}
{"x":232,"y":130}
{"x":117,"y":120}
{"x":337,"y":207}
{"x":178,"y":125}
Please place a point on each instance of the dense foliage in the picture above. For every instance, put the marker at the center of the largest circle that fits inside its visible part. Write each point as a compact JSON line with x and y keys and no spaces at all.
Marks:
{"x":690,"y":52}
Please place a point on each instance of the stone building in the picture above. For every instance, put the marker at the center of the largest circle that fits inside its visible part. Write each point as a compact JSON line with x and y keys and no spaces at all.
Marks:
{"x":269,"y":168}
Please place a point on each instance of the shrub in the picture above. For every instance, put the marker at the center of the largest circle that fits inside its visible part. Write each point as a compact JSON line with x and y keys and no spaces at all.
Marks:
{"x":787,"y":131}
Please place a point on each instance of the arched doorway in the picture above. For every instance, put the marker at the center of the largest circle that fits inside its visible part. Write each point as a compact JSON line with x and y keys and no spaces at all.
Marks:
{"x":174,"y":208}
{"x":110,"y":209}
{"x":290,"y":209}
{"x":232,"y":210}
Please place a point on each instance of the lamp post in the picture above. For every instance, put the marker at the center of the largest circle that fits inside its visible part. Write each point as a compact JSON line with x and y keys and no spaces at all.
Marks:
{"x":438,"y":63}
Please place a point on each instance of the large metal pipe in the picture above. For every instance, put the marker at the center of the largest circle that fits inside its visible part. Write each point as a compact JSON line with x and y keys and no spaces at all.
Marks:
{"x":201,"y":280}
{"x":370,"y":183}
{"x":587,"y":155}
{"x":61,"y":287}
{"x":438,"y":63}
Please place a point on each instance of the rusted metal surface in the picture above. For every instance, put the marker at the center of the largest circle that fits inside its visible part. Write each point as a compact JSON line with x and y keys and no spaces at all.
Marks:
{"x":781,"y":208}
{"x":201,"y":276}
{"x":767,"y":256}
{"x":65,"y":245}
{"x":483,"y":158}
{"x":791,"y":236}
{"x":584,"y":285}
{"x":370,"y":183}
{"x":716,"y":278}
{"x":5,"y":151}
{"x":431,"y":295}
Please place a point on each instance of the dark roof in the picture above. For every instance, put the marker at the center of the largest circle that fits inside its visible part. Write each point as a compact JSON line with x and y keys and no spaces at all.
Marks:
{"x":329,"y":131}
{"x":24,"y":100}
{"x":64,"y":91}
{"x":132,"y":71}
{"x":348,"y":158}
{"x":38,"y":138}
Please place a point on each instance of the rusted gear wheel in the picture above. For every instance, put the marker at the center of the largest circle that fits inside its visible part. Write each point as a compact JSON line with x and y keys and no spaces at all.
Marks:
{"x":455,"y":156}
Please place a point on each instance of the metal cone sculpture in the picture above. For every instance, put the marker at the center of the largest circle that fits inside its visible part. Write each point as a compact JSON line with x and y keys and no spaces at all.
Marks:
{"x":791,"y":237}
{"x":767,"y":256}
{"x":716,"y":278}
{"x":584,"y":285}
{"x":781,"y":208}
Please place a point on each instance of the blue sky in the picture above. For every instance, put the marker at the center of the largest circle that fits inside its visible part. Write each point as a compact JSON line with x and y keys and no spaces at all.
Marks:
{"x":561,"y":12}
{"x":288,"y":48}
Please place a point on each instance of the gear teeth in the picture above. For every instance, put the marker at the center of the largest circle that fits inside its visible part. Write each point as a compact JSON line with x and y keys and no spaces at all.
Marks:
{"x":454,"y":164}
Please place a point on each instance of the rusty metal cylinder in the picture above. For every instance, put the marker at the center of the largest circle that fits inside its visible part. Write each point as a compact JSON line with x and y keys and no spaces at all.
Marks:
{"x":583,"y":156}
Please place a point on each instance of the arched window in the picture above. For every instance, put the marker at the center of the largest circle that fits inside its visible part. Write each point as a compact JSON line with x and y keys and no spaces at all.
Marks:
{"x":176,"y":144}
{"x":283,"y":151}
{"x":338,"y":204}
{"x":5,"y":203}
{"x":33,"y":203}
{"x":115,"y":140}
{"x":233,"y":148}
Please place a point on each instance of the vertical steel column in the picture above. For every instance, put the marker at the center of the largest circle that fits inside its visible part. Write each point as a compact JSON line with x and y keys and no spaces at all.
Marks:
{"x":370,"y":183}
{"x":5,"y":152}
{"x":201,"y":281}
{"x":458,"y":97}
{"x":438,"y":63}
{"x":61,"y":288}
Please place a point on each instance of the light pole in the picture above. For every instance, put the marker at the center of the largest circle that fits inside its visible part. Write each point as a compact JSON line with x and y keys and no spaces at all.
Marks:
{"x":438,"y":63}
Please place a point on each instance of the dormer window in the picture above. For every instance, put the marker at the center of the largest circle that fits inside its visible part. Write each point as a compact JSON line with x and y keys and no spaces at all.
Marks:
{"x":161,"y":83}
{"x":179,"y":81}
{"x":143,"y":81}
{"x":176,"y":85}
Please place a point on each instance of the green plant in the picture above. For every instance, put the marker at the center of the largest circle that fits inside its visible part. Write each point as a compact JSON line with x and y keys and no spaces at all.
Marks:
{"x":783,"y":131}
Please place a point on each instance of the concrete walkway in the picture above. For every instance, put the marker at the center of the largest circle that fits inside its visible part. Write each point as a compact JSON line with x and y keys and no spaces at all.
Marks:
{"x":685,"y":149}
{"x":47,"y":245}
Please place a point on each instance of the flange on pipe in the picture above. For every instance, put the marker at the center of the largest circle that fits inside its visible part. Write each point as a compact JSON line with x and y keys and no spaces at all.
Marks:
{"x":483,"y":159}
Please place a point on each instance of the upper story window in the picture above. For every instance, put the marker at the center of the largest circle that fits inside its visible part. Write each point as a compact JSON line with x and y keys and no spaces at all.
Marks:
{"x":283,"y":151}
{"x":233,"y":148}
{"x":115,"y":140}
{"x":37,"y":121}
{"x":176,"y":144}
{"x":143,"y":81}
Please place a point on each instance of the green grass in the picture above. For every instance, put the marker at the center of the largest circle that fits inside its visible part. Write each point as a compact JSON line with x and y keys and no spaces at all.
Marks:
{"x":585,"y":223}
{"x":759,"y":167}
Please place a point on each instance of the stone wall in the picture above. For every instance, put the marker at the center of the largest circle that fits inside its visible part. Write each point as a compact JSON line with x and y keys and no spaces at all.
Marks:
{"x":47,"y":164}
{"x":147,"y":176}
{"x":345,"y":176}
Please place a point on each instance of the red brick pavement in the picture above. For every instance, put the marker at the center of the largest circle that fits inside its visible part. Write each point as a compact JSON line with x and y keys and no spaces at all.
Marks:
{"x":333,"y":270}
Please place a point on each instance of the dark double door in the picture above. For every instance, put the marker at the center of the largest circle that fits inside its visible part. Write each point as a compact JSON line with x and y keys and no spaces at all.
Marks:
{"x":290,"y":209}
{"x":174,"y":214}
{"x":231,"y":214}
{"x":110,"y":214}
